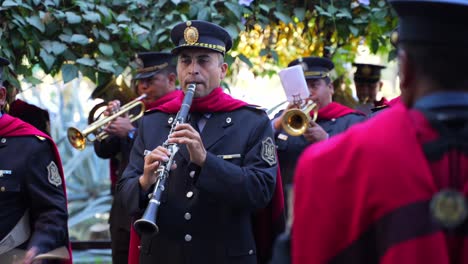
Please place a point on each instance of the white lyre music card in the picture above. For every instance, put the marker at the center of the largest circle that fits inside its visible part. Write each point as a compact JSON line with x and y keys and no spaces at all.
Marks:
{"x":294,"y":83}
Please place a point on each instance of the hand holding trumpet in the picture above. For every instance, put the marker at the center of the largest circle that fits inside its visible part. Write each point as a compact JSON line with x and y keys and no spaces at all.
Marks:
{"x":121,"y":125}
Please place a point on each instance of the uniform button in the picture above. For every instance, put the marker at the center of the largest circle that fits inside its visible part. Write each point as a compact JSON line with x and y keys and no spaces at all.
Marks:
{"x":3,"y":140}
{"x":189,"y":194}
{"x":333,"y":119}
{"x":192,"y":174}
{"x":187,"y":216}
{"x":150,"y":195}
{"x":188,"y":238}
{"x":251,"y":252}
{"x":2,"y":189}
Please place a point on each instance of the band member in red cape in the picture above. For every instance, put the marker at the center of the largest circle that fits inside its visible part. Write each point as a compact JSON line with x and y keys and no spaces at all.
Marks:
{"x":368,"y":85}
{"x":157,"y":79}
{"x":402,"y":199}
{"x":33,"y":215}
{"x":333,"y":118}
{"x":225,"y":171}
{"x":391,"y":103}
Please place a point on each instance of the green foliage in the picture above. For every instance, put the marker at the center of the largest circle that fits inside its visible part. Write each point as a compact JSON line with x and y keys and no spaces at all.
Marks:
{"x":99,"y":37}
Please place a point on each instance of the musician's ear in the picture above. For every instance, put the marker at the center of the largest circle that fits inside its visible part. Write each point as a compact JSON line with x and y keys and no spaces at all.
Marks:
{"x":3,"y":96}
{"x":172,"y":77}
{"x":224,"y":68}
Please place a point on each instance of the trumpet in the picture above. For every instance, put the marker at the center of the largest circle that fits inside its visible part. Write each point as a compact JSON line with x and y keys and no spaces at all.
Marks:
{"x":296,"y":121}
{"x":147,"y":223}
{"x":78,"y":138}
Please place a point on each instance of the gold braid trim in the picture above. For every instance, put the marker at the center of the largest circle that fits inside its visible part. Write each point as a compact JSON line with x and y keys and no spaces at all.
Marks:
{"x":316,"y":74}
{"x":152,"y":68}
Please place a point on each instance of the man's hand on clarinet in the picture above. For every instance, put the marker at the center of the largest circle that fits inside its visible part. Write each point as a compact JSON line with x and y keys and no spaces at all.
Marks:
{"x":186,"y":134}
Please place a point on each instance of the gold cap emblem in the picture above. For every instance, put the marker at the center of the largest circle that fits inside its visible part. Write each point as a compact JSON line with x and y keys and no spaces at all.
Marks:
{"x":366,"y":70}
{"x":190,"y":34}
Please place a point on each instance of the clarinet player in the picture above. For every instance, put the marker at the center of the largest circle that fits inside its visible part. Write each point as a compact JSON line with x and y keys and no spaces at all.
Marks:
{"x":224,"y":171}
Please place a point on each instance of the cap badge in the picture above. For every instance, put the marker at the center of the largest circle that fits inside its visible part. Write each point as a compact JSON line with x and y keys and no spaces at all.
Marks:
{"x":190,"y":34}
{"x":366,"y":70}
{"x":304,"y":66}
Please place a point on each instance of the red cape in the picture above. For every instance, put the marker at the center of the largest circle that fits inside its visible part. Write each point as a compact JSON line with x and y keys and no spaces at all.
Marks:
{"x":359,"y":212}
{"x":268,"y":222}
{"x":216,"y":101}
{"x":14,"y":127}
{"x":334,"y":110}
{"x":164,"y":99}
{"x":394,"y":101}
{"x":383,"y":101}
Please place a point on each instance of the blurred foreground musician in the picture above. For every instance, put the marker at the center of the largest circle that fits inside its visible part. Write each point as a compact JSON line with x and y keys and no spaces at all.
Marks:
{"x":33,"y":204}
{"x":403,"y":199}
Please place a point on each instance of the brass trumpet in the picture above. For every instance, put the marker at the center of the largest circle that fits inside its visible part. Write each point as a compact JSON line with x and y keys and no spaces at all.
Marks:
{"x":296,"y":121}
{"x":78,"y":138}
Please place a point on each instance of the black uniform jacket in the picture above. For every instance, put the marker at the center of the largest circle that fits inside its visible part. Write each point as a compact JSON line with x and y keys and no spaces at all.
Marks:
{"x":290,"y":147}
{"x":29,"y":179}
{"x":205,"y":214}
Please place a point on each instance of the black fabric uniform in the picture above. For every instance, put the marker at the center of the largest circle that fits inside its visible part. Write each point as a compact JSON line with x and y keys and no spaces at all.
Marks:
{"x":290,"y":147}
{"x":24,"y":184}
{"x":118,"y":149}
{"x":205,"y":214}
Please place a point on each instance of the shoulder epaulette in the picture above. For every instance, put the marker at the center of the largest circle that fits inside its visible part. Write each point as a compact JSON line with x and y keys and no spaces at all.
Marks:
{"x":40,"y":138}
{"x":256,"y":107}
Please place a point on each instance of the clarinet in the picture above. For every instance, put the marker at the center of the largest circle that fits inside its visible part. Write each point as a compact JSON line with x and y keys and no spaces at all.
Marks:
{"x":147,"y":223}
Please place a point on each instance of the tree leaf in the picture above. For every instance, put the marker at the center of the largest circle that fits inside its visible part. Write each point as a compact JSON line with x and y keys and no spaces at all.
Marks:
{"x":106,"y":65}
{"x":47,"y":58}
{"x":54,"y":47}
{"x":286,"y":19}
{"x":235,"y":9}
{"x":106,"y":49}
{"x":36,"y":22}
{"x":123,"y":18}
{"x":86,"y":62}
{"x":354,"y":30}
{"x":72,"y":18}
{"x":9,"y":3}
{"x":321,"y":11}
{"x":80,"y":39}
{"x":299,"y":12}
{"x":69,"y":72}
{"x":92,"y":17}
{"x":244,"y":59}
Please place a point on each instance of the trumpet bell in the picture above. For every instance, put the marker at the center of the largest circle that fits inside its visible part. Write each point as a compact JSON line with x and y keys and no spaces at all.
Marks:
{"x":76,"y":138}
{"x":295,"y":122}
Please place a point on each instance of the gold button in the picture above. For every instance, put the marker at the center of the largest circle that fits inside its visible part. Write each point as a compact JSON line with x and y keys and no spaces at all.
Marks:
{"x":2,"y":189}
{"x":192,"y":174}
{"x":189,"y":194}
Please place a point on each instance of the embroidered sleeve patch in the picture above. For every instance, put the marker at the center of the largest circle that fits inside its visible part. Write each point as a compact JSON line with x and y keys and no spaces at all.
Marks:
{"x":53,"y":174}
{"x":269,"y":151}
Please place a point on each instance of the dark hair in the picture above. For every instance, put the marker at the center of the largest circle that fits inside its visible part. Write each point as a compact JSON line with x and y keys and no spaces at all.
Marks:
{"x":445,"y":65}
